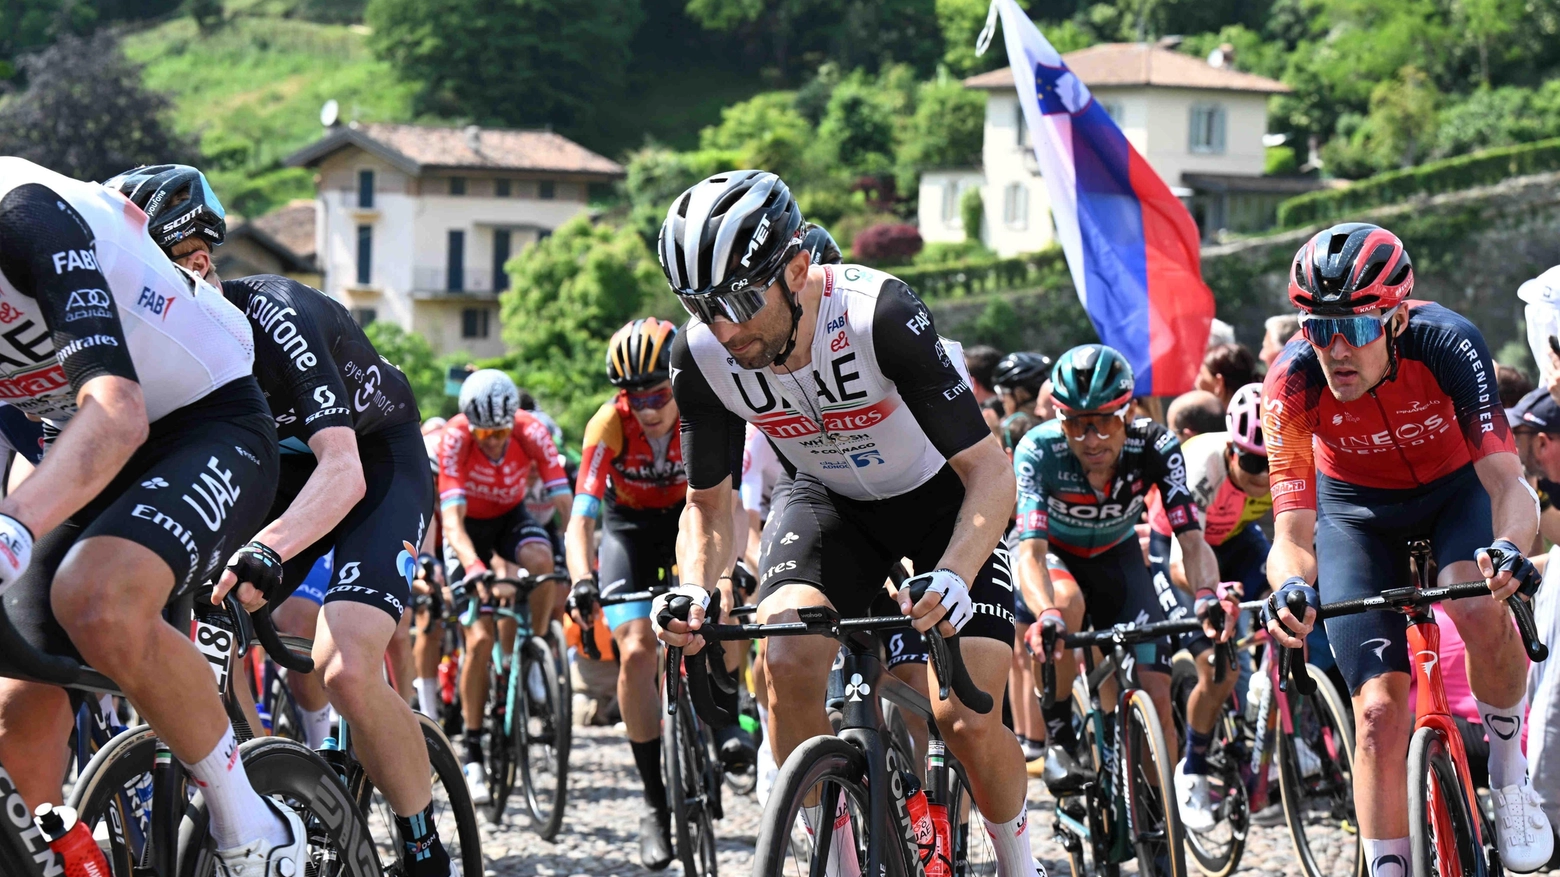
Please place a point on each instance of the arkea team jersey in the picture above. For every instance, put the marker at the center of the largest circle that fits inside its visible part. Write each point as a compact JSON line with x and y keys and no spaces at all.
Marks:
{"x":626,"y":467}
{"x":1223,"y":508}
{"x":315,"y":365}
{"x":489,"y":488}
{"x":85,"y":293}
{"x":1057,"y":503}
{"x":1440,"y":413}
{"x":879,"y":411}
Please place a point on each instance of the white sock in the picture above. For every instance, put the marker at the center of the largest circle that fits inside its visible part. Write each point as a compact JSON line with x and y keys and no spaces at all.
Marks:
{"x":1387,"y":858}
{"x":316,"y":725}
{"x":842,"y":849}
{"x":1508,"y":766}
{"x":428,"y":696}
{"x":763,"y":718}
{"x":238,"y":814}
{"x":1010,"y":841}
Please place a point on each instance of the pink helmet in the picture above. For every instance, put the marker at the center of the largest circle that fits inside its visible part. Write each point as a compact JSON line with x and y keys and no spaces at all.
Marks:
{"x":1244,"y":420}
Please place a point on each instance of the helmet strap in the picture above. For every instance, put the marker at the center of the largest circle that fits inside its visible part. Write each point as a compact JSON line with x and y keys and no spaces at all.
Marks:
{"x":794,"y":301}
{"x":1392,"y":357}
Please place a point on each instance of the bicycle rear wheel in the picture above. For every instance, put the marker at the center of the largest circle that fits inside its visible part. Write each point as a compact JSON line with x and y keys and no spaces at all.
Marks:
{"x":113,"y":796}
{"x":1219,"y":849}
{"x":1438,"y":800}
{"x":540,"y":736}
{"x":974,"y":855}
{"x":1316,"y":781}
{"x":837,"y":771}
{"x":692,"y":788}
{"x":1153,"y":818}
{"x":454,"y":817}
{"x":502,"y":767}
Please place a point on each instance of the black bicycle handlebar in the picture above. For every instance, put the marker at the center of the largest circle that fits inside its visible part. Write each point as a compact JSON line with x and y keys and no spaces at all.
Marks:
{"x":271,"y":640}
{"x":1409,"y":598}
{"x":1291,"y":662}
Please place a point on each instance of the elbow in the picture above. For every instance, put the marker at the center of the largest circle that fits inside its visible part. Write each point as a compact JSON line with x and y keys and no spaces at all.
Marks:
{"x":352,"y":484}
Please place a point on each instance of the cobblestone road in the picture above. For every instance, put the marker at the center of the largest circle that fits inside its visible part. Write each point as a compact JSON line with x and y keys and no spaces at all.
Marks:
{"x":600,"y":833}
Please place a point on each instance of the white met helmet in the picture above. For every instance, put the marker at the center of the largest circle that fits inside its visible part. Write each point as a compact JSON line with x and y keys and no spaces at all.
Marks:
{"x":1244,"y":420}
{"x":489,"y":399}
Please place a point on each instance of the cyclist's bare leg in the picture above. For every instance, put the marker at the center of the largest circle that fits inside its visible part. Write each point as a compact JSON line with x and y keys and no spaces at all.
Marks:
{"x":1027,"y":721}
{"x":403,"y":668}
{"x":427,"y":648}
{"x":536,"y":558}
{"x":299,"y":616}
{"x":1070,"y":600}
{"x":1383,"y":721}
{"x":735,"y":650}
{"x":798,"y":672}
{"x":914,"y":675}
{"x":639,"y":697}
{"x":474,"y":671}
{"x":988,"y":750}
{"x":1157,"y":686}
{"x":35,"y":723}
{"x":1207,"y":697}
{"x":386,"y":737}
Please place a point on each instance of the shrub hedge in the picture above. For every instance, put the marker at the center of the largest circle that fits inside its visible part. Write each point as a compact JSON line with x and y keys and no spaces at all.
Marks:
{"x":1046,"y":268}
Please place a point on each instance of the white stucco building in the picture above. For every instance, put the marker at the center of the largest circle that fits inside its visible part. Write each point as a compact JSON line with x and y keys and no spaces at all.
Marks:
{"x":414,"y":223}
{"x":1199,"y":126}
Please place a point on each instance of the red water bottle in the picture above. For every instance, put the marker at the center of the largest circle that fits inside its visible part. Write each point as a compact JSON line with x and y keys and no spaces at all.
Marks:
{"x":449,"y":671}
{"x":920,"y":819}
{"x":71,"y":841}
{"x":941,"y":862}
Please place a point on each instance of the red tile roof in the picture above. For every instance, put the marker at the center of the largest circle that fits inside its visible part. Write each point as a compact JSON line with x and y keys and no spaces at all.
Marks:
{"x":419,"y":147}
{"x":291,"y":226}
{"x":1129,"y":64}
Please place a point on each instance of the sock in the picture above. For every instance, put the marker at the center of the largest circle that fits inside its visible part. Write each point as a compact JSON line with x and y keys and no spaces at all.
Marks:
{"x":1197,"y":750}
{"x":421,"y":838}
{"x":647,"y":757}
{"x":843,"y":861}
{"x":1387,"y":858}
{"x":316,"y":725}
{"x":1010,"y":841}
{"x":473,"y":744}
{"x":428,"y":696}
{"x":763,"y":719}
{"x":238,"y":814}
{"x":1508,"y":766}
{"x":1058,"y":724}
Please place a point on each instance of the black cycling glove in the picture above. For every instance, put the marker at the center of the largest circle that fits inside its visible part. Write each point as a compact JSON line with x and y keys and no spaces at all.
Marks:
{"x":1505,"y":555}
{"x":258,"y":564}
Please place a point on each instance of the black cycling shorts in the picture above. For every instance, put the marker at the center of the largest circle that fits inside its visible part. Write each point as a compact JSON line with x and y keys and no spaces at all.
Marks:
{"x":193,"y":493}
{"x":1118,"y":589}
{"x":1362,"y":536}
{"x":844,"y":547}
{"x":502,"y":536}
{"x":636,"y":546}
{"x":376,"y":543}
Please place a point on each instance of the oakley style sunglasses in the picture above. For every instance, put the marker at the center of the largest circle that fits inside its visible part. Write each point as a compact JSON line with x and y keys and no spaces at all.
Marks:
{"x":650,"y":399}
{"x":733,"y":306}
{"x":1105,"y":424}
{"x":1357,"y":331}
{"x":1251,"y":464}
{"x":483,"y":435}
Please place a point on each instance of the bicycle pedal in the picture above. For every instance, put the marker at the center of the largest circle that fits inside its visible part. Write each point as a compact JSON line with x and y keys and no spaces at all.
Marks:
{"x":1074,"y":807}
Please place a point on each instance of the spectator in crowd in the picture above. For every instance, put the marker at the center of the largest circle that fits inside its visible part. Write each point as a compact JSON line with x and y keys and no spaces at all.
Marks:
{"x":1045,"y":409}
{"x":1220,"y":333}
{"x":1512,"y":384}
{"x":1276,"y":333}
{"x":993,"y":411}
{"x":1226,"y":369}
{"x":1194,"y":413}
{"x":980,"y":360}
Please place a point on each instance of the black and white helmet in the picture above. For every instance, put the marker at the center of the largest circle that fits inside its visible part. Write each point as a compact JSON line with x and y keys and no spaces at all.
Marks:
{"x":178,"y":203}
{"x":489,"y":399}
{"x":729,"y":233}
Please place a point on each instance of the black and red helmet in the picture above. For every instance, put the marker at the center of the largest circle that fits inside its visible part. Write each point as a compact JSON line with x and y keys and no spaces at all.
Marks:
{"x":1349,"y":269}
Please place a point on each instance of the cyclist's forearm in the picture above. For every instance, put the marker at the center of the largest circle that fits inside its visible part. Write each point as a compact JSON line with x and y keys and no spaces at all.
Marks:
{"x":1513,"y":503}
{"x":990,"y":494}
{"x":333,"y":488}
{"x":455,"y":535}
{"x":577,"y":542}
{"x":1202,"y":568}
{"x":704,"y":541}
{"x":1034,"y":578}
{"x":1294,"y":534}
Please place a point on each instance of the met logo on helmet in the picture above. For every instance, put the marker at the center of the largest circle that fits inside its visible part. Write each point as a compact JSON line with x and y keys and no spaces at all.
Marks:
{"x":760,"y":235}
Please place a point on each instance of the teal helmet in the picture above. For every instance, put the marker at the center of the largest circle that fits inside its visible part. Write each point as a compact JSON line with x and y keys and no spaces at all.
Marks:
{"x":1091,"y":377}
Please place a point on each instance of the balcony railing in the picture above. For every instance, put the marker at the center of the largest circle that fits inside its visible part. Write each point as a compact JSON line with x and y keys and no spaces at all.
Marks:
{"x":439,"y":278}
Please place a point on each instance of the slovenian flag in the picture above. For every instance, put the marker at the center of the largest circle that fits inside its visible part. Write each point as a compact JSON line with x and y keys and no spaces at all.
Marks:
{"x":1131,"y":246}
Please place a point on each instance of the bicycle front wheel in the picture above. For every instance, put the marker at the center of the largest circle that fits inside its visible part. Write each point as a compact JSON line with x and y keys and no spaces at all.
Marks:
{"x":1316,"y":779}
{"x":1438,"y":801}
{"x":974,"y":855}
{"x":540,"y":736}
{"x":454,"y":816}
{"x":1152,"y":815}
{"x":823,"y":769}
{"x":692,"y":785}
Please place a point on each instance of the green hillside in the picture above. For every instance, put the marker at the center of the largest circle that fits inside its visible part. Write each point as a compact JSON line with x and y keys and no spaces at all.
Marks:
{"x":252,"y":91}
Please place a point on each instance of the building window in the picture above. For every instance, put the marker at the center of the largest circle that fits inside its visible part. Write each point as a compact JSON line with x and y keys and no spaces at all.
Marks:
{"x":365,"y":254}
{"x":1114,"y":110}
{"x":500,"y":256}
{"x":455,"y":262}
{"x":1023,"y":126}
{"x":501,"y":188}
{"x":366,"y":190}
{"x":546,"y":190}
{"x":950,"y":204}
{"x":1207,"y":134}
{"x":457,"y":185}
{"x":1015,"y":206}
{"x":364,"y":316}
{"x":474,"y":322}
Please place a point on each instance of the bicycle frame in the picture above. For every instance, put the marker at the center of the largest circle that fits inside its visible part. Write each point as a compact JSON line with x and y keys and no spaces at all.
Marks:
{"x":1432,"y":710}
{"x":1102,"y":826}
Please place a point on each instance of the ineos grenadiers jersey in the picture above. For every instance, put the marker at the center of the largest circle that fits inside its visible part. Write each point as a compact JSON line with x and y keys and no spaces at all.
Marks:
{"x":881,"y":408}
{"x":1057,"y":503}
{"x":85,"y":293}
{"x":314,"y":363}
{"x":1440,"y":413}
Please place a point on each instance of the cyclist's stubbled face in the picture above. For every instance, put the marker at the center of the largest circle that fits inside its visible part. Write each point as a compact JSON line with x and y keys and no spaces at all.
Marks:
{"x":657,"y":421}
{"x":1098,"y":454}
{"x":494,"y":443}
{"x":1255,"y":485}
{"x":756,"y":343}
{"x":1351,"y":371}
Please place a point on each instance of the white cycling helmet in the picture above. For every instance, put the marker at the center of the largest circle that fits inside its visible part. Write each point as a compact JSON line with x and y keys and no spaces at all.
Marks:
{"x":1244,"y":420}
{"x":489,"y":399}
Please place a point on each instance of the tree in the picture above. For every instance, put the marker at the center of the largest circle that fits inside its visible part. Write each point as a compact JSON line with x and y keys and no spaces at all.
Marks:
{"x":857,"y":132}
{"x":657,"y":175}
{"x":509,"y":62}
{"x":946,"y":131}
{"x":85,"y":113}
{"x":411,"y":353}
{"x":765,"y":132}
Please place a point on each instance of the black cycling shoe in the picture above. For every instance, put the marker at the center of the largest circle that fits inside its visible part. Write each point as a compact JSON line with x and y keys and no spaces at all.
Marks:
{"x":655,"y":840}
{"x":737,"y":752}
{"x":1063,"y":774}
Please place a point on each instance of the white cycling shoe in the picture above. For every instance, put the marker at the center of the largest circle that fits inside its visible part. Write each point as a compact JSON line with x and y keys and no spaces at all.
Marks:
{"x":1191,"y":796}
{"x":1521,"y":829}
{"x":260,"y":859}
{"x":476,"y":783}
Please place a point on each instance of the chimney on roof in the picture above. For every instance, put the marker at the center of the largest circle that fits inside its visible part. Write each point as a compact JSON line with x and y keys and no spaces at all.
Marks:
{"x":474,"y":138}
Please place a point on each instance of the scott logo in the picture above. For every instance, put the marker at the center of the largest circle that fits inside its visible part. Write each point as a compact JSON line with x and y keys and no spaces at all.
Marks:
{"x":349,"y":573}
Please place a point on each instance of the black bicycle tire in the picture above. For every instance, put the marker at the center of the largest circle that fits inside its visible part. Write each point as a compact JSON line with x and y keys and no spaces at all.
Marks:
{"x":1183,"y":678}
{"x":1427,"y":753}
{"x":685,"y":762}
{"x":1142,"y":713}
{"x":1291,"y":787}
{"x":958,"y":790}
{"x":286,"y":715}
{"x":131,"y":753}
{"x":816,"y":759}
{"x":545,"y":823}
{"x":447,"y":771}
{"x":286,"y":767}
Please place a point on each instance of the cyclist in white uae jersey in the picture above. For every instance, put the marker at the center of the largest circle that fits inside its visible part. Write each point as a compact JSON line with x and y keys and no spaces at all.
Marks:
{"x":165,"y":464}
{"x":842,"y":368}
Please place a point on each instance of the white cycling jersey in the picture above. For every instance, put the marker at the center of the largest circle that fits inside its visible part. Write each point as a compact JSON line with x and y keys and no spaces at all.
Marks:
{"x":83,"y":290}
